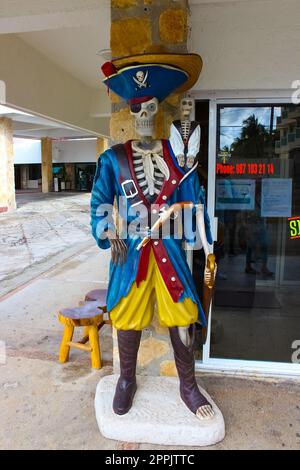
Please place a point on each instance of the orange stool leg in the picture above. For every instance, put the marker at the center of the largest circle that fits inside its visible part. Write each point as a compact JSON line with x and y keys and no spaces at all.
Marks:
{"x":94,"y":343}
{"x":64,"y":348}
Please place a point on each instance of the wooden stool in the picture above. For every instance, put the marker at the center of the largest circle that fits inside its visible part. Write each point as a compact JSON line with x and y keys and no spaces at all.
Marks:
{"x":89,"y":316}
{"x":98,"y":295}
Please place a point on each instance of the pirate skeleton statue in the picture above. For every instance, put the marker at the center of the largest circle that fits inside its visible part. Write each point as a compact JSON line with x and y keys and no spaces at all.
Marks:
{"x":145,"y":269}
{"x":185,"y":135}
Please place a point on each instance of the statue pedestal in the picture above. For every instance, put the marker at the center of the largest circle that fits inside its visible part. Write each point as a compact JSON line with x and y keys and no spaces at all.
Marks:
{"x":158,"y":415}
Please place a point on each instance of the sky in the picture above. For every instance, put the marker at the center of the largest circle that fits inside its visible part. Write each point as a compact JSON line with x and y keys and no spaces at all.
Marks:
{"x":231,"y":121}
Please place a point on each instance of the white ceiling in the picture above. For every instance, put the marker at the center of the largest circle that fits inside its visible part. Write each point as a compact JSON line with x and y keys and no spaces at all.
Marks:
{"x":70,"y":33}
{"x":74,"y":49}
{"x":28,"y":125}
{"x":11,"y":8}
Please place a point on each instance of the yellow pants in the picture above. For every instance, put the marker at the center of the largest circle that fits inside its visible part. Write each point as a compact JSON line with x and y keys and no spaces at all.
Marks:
{"x":135,"y":311}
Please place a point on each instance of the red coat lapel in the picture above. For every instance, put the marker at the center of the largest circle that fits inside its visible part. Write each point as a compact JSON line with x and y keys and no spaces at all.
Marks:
{"x":169,"y":186}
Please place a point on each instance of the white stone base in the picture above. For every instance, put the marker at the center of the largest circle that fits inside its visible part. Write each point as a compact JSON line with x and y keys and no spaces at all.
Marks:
{"x":158,"y":415}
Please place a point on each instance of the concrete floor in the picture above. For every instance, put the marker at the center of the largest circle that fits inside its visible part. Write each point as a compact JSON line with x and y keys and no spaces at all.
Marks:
{"x":46,"y":405}
{"x":44,"y":230}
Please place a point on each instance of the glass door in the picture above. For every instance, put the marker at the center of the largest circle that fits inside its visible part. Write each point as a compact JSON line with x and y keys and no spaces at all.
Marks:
{"x":255,"y":157}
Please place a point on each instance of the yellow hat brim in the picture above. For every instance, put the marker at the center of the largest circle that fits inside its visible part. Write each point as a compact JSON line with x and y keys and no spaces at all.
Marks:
{"x":189,"y":63}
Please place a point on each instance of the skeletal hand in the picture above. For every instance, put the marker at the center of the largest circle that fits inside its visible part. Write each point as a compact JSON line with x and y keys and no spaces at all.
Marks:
{"x":190,"y":161}
{"x":209,"y":277}
{"x":181,"y":160}
{"x":118,"y":249}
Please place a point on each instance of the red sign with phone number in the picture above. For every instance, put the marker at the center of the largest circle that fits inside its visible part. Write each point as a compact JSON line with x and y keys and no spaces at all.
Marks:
{"x":245,"y":169}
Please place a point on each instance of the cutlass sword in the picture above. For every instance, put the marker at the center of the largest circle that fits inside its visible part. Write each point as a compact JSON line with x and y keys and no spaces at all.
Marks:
{"x":163,"y":217}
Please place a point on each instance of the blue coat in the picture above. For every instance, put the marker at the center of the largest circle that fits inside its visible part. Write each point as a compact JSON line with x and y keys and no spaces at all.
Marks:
{"x":107,"y":186}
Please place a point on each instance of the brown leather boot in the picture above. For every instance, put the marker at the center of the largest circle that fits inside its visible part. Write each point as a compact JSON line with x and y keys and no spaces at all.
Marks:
{"x":128,"y":342}
{"x":185,"y":364}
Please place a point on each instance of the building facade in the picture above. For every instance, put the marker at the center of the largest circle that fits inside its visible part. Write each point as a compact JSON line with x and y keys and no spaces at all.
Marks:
{"x":73,"y":164}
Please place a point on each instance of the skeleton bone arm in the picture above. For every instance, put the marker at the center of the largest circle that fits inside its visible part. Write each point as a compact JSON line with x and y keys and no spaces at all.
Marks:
{"x":201,"y":227}
{"x":210,"y":264}
{"x":184,"y":331}
{"x":194,"y":143}
{"x":176,"y":141}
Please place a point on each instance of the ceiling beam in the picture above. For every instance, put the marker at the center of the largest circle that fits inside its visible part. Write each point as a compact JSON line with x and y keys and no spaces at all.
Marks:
{"x":38,"y":86}
{"x":22,"y":126}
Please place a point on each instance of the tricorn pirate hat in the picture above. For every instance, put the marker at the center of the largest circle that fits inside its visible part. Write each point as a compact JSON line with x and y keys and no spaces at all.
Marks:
{"x":141,"y":77}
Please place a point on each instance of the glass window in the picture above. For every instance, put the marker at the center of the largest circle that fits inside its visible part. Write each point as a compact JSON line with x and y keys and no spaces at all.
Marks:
{"x":256,"y":311}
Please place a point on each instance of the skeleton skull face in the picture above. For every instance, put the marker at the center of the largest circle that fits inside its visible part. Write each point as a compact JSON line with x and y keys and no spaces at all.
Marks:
{"x":140,"y":76}
{"x":186,"y":107}
{"x":144,"y":116}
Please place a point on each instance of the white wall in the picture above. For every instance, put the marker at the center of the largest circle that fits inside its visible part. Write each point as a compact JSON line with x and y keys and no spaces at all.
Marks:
{"x":38,"y":85}
{"x":251,"y":44}
{"x":74,"y":151}
{"x":27,"y":151}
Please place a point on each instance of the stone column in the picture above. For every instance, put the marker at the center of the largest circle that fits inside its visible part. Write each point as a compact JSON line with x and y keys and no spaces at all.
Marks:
{"x":7,"y":175}
{"x":101,"y":146}
{"x":140,"y":26}
{"x":47,"y":175}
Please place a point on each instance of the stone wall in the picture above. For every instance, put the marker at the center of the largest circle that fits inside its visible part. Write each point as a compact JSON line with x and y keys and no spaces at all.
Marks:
{"x":47,"y":174}
{"x":140,"y":26}
{"x":7,"y":175}
{"x":101,"y":146}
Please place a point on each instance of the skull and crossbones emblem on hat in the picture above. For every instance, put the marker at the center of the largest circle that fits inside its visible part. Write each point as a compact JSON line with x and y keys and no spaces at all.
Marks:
{"x":141,"y":79}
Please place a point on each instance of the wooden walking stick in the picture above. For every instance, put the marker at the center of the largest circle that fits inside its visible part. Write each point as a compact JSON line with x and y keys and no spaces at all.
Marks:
{"x":208,"y":290}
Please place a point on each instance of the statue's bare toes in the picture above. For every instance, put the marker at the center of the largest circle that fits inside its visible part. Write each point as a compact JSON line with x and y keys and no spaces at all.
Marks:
{"x":205,"y":412}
